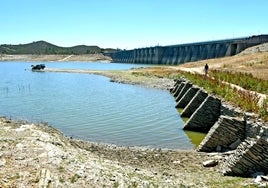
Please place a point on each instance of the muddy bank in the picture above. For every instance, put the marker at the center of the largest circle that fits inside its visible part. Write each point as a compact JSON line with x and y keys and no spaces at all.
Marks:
{"x":125,"y":76}
{"x":38,"y":155}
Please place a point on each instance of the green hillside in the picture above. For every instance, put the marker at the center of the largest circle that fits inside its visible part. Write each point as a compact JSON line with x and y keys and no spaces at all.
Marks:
{"x":43,"y":47}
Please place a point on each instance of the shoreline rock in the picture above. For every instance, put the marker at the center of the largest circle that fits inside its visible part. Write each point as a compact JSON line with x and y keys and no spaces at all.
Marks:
{"x":36,"y":155}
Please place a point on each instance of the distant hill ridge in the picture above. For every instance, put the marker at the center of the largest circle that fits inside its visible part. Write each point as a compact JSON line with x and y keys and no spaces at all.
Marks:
{"x":43,"y":47}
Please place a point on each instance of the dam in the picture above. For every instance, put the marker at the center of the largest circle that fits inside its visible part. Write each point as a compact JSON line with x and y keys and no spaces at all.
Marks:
{"x":177,"y":54}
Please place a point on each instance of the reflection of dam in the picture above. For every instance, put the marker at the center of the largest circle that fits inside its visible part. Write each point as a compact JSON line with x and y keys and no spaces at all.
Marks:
{"x":176,"y":54}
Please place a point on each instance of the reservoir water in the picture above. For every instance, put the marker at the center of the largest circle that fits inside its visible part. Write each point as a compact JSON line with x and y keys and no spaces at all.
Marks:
{"x":90,"y":107}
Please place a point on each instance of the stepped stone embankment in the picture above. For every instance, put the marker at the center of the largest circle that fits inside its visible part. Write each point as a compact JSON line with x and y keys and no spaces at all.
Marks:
{"x":186,"y":87}
{"x":227,"y":130}
{"x":226,"y":134}
{"x":178,"y":89}
{"x":194,"y":103}
{"x":250,"y":157}
{"x":187,"y":97}
{"x":205,"y":115}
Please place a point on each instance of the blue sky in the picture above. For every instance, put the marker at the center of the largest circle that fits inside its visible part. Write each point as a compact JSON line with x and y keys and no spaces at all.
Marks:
{"x":129,"y":24}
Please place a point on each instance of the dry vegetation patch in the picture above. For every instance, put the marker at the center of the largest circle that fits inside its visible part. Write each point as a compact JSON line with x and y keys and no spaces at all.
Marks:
{"x":256,"y":64}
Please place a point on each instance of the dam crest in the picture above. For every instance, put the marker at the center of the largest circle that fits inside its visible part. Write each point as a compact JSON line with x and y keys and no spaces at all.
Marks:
{"x":177,"y":54}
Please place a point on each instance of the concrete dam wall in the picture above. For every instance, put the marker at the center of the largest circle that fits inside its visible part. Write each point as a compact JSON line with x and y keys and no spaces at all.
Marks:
{"x":177,"y":54}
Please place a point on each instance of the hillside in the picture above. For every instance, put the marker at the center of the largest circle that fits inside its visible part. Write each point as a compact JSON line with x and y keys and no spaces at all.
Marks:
{"x":45,"y":48}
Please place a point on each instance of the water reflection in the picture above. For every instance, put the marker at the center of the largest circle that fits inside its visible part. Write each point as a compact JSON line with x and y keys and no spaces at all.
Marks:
{"x":195,"y":137}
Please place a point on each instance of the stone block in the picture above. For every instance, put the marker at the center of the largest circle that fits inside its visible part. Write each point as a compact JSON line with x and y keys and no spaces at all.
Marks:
{"x":205,"y":115}
{"x":186,"y":87}
{"x":176,"y":85}
{"x":187,"y":97}
{"x":210,"y":163}
{"x":225,"y":132}
{"x":195,"y":102}
{"x":248,"y":158}
{"x":178,"y":90}
{"x":235,"y":144}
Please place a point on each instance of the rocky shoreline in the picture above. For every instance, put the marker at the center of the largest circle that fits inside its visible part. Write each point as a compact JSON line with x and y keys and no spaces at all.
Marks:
{"x":37,"y":155}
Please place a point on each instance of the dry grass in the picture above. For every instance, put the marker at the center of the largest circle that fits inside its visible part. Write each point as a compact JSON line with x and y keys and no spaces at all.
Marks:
{"x":256,"y":64}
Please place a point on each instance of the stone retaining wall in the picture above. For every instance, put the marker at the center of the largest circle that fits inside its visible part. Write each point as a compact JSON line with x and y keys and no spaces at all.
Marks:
{"x":196,"y":101}
{"x":187,"y":97}
{"x":226,"y":131}
{"x":186,"y":87}
{"x":251,"y":156}
{"x":178,"y":89}
{"x":202,"y":109}
{"x":177,"y":83}
{"x":205,"y":115}
{"x":226,"y":134}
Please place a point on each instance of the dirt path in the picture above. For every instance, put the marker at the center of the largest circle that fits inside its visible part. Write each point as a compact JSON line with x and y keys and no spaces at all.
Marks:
{"x":66,"y":58}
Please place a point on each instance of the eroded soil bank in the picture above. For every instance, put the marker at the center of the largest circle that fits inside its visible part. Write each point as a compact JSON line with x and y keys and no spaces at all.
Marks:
{"x":60,"y":58}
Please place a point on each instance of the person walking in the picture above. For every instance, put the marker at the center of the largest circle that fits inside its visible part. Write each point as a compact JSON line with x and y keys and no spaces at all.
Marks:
{"x":206,"y":69}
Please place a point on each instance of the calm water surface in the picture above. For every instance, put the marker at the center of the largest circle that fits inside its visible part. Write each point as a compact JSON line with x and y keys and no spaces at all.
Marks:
{"x":91,"y":107}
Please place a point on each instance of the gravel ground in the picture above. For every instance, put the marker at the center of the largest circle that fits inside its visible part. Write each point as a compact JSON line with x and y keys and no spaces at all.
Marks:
{"x":37,"y":155}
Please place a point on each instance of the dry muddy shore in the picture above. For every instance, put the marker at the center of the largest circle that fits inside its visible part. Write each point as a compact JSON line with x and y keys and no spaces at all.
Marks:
{"x":37,"y":155}
{"x":52,"y":58}
{"x":125,"y":77}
